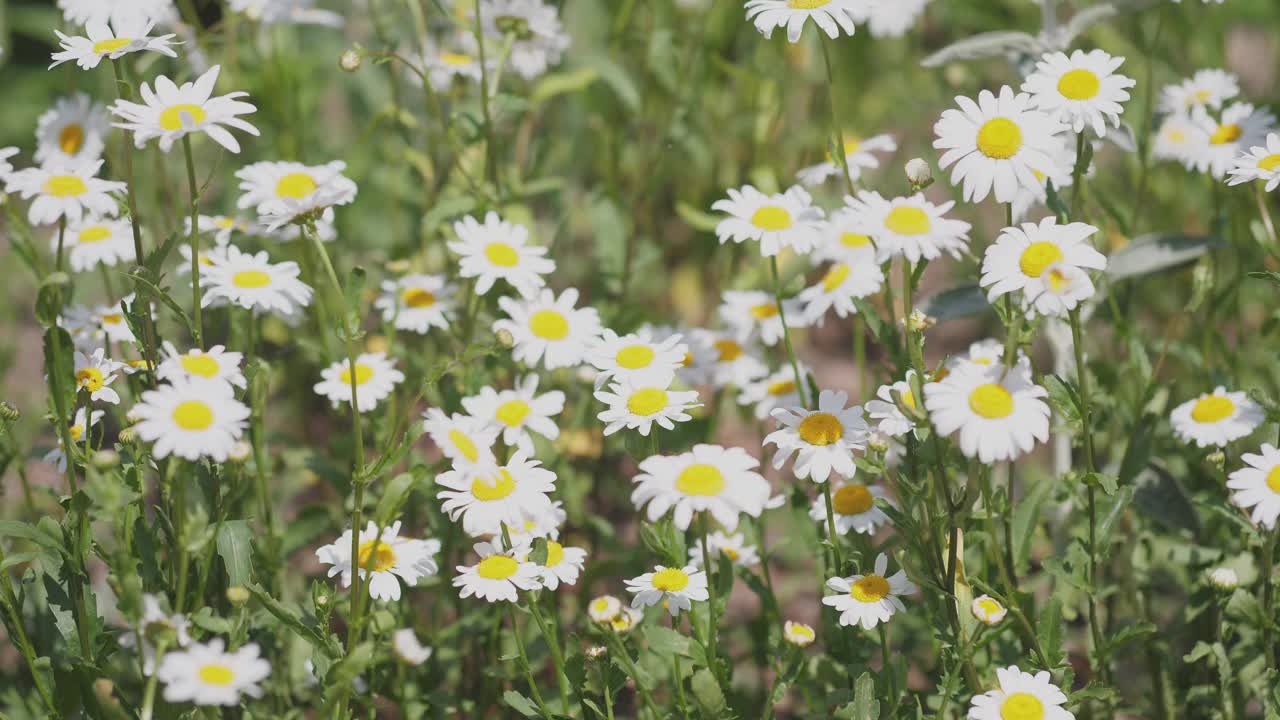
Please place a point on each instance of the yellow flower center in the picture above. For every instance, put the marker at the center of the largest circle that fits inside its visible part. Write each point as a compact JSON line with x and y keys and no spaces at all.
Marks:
{"x":95,"y":233}
{"x":764,"y":312}
{"x":296,"y":186}
{"x":250,"y":279}
{"x":224,"y":223}
{"x":383,"y":560}
{"x":1198,"y":97}
{"x":501,"y":254}
{"x":906,"y":220}
{"x":989,"y":606}
{"x":454,"y":59}
{"x":700,"y":479}
{"x":76,"y":431}
{"x":513,"y":412}
{"x":1174,"y":135}
{"x":63,"y":186}
{"x":647,"y":401}
{"x":806,"y":4}
{"x":771,"y":218}
{"x":495,"y":488}
{"x":549,"y":325}
{"x":363,"y":374}
{"x":670,"y":580}
{"x":1226,"y":134}
{"x":803,"y":632}
{"x":869,"y":589}
{"x":1057,"y":279}
{"x":418,"y":298}
{"x":908,"y":399}
{"x":1037,"y":257}
{"x":497,"y":567}
{"x":853,"y":500}
{"x":835,"y":277}
{"x":112,"y":319}
{"x":1269,"y":163}
{"x":193,"y":415}
{"x":202,"y":365}
{"x":634,"y":357}
{"x":728,"y":350}
{"x":729,"y":553}
{"x":991,"y":401}
{"x":219,"y":675}
{"x":102,"y":47}
{"x":821,"y":429}
{"x":854,"y":240}
{"x":1212,"y":409}
{"x":1000,"y":138}
{"x":1022,"y":706}
{"x":1273,"y":479}
{"x":783,"y":387}
{"x":71,"y":139}
{"x":555,"y":554}
{"x":171,"y":118}
{"x":90,"y":379}
{"x":1079,"y":85}
{"x":464,"y":445}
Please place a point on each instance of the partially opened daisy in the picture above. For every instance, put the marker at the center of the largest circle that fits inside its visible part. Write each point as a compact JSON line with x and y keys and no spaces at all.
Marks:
{"x":709,"y":478}
{"x":95,"y":373}
{"x":870,"y":599}
{"x":719,"y":359}
{"x":841,"y":284}
{"x":563,"y":564}
{"x":1207,"y":89}
{"x":498,"y":576}
{"x":112,"y":41}
{"x":822,"y":440}
{"x":79,"y":425}
{"x":74,"y":129}
{"x":733,"y":546}
{"x":778,"y":221}
{"x":96,"y":241}
{"x":222,"y":227}
{"x":858,"y":155}
{"x":486,"y":496}
{"x":1037,"y":260}
{"x":676,"y":588}
{"x":1257,"y":486}
{"x":90,"y":327}
{"x":155,"y":623}
{"x":637,"y":357}
{"x":499,"y":250}
{"x":889,"y":419}
{"x":636,"y":405}
{"x":999,"y":415}
{"x":548,"y":329}
{"x":1177,"y":140}
{"x":191,"y":419}
{"x":772,"y":391}
{"x":996,"y":143}
{"x":1216,"y":418}
{"x":543,"y":523}
{"x":253,"y":282}
{"x":216,"y":363}
{"x":1260,"y":163}
{"x":65,"y":189}
{"x":1059,"y":176}
{"x":983,"y":353}
{"x":281,"y":192}
{"x":833,"y":17}
{"x":798,"y":634}
{"x":756,"y":313}
{"x":375,"y":378}
{"x":417,"y":303}
{"x":604,"y":608}
{"x":911,"y":227}
{"x":1083,"y":90}
{"x":384,"y":559}
{"x":987,"y":610}
{"x":171,"y":111}
{"x":450,"y":59}
{"x":464,"y":439}
{"x":519,"y":411}
{"x":854,"y":508}
{"x":1240,"y":127}
{"x":206,"y":674}
{"x":1021,"y":695}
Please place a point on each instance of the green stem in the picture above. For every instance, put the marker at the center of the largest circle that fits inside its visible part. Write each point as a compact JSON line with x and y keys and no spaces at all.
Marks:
{"x":837,"y":130}
{"x":676,"y":679}
{"x":194,"y":240}
{"x":1267,"y":222}
{"x":551,"y":636}
{"x":58,"y":263}
{"x":1269,"y":596}
{"x":10,"y":601}
{"x":490,"y":145}
{"x":786,"y":333}
{"x":713,"y":629}
{"x":524,"y":662}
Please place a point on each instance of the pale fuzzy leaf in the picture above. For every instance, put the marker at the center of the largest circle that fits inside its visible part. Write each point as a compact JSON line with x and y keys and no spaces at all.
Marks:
{"x":1157,"y":251}
{"x":985,"y":45}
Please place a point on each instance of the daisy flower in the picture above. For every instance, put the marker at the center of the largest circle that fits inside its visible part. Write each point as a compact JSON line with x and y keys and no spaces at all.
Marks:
{"x":549,"y":329}
{"x":637,"y":406}
{"x":846,"y":239}
{"x":498,"y":575}
{"x":222,"y":227}
{"x":518,"y":411}
{"x":486,"y":496}
{"x":1020,"y":695}
{"x":376,"y":377}
{"x":778,"y":221}
{"x":996,"y":143}
{"x":999,"y":415}
{"x":604,"y":608}
{"x":92,"y":326}
{"x":822,"y":440}
{"x":1081,"y":90}
{"x":1241,"y":126}
{"x":1177,"y":140}
{"x":1216,"y":418}
{"x":911,"y":227}
{"x":67,"y":190}
{"x":798,"y":634}
{"x":563,"y":565}
{"x":983,"y":353}
{"x":93,"y":241}
{"x":1036,"y":259}
{"x":752,"y":312}
{"x":1258,"y":486}
{"x":255,"y":283}
{"x":833,"y":17}
{"x":216,"y":363}
{"x":1261,"y":163}
{"x":709,"y":478}
{"x":1060,"y":176}
{"x":155,"y":622}
{"x":299,"y":12}
{"x":871,"y":599}
{"x":74,"y":129}
{"x":83,"y":12}
{"x":207,"y":675}
{"x":858,"y":154}
{"x":841,"y":284}
{"x":408,"y":649}
{"x":772,"y":391}
{"x":191,"y":418}
{"x":451,"y":60}
{"x":283,"y":191}
{"x":384,"y":558}
{"x":417,"y":303}
{"x":113,"y":40}
{"x":95,"y":373}
{"x":499,"y":250}
{"x":721,"y":360}
{"x":734,"y":547}
{"x":675,"y":587}
{"x":854,"y":506}
{"x":545,"y":523}
{"x":170,"y":112}
{"x":626,"y":620}
{"x":1207,"y":89}
{"x":637,"y":357}
{"x":57,"y":456}
{"x":987,"y":610}
{"x":540,"y":40}
{"x":890,"y":420}
{"x":462,"y":438}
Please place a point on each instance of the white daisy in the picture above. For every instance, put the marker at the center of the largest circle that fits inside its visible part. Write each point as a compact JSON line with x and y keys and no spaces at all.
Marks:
{"x":83,"y":12}
{"x":854,"y":506}
{"x":637,"y":406}
{"x":281,"y":192}
{"x":486,"y":496}
{"x":171,"y":111}
{"x":833,"y":17}
{"x":870,"y":599}
{"x":1261,"y":163}
{"x":674,"y":587}
{"x":756,"y":313}
{"x":1037,"y":260}
{"x":890,"y":420}
{"x":772,"y":391}
{"x":376,"y":377}
{"x":638,"y":357}
{"x":417,"y":303}
{"x":499,"y":250}
{"x":563,"y":565}
{"x":604,"y":608}
{"x":1060,"y":176}
{"x":798,"y":634}
{"x":74,"y":129}
{"x":1177,"y":140}
{"x":216,"y":363}
{"x":539,"y":38}
{"x":498,"y":575}
{"x":984,"y":353}
{"x":996,"y":143}
{"x":90,"y":327}
{"x":67,"y":190}
{"x":549,"y":329}
{"x":78,"y":427}
{"x":255,"y":283}
{"x":191,"y":418}
{"x":734,"y":547}
{"x":155,"y":622}
{"x":709,"y":478}
{"x":1207,"y":89}
{"x":822,"y":440}
{"x":462,"y":438}
{"x":1258,"y":486}
{"x":987,"y":610}
{"x":1081,"y":90}
{"x":206,"y":675}
{"x":911,"y":227}
{"x":519,"y":411}
{"x":95,"y":373}
{"x":1241,"y":127}
{"x":717,"y":358}
{"x":445,"y":61}
{"x":858,"y":154}
{"x":778,"y":221}
{"x":1216,"y":418}
{"x":408,"y":649}
{"x":96,"y":240}
{"x":846,"y":239}
{"x":545,"y":523}
{"x":1020,"y":696}
{"x":841,"y":284}
{"x":222,"y":227}
{"x":113,"y":40}
{"x":1000,"y":415}
{"x":384,"y":559}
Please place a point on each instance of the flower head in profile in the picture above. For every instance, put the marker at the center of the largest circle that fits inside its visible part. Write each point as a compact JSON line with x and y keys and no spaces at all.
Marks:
{"x":95,"y":373}
{"x":497,"y":249}
{"x":499,"y":576}
{"x":191,"y":419}
{"x":67,"y":190}
{"x":858,"y":155}
{"x":111,"y":41}
{"x":833,"y":17}
{"x":870,"y":599}
{"x":562,"y":565}
{"x":206,"y":674}
{"x":1000,"y":415}
{"x":987,"y":610}
{"x":416,"y":303}
{"x":463,"y":439}
{"x":776,"y":390}
{"x":890,"y":420}
{"x":216,"y":363}
{"x":757,"y":314}
{"x":604,"y":608}
{"x":283,"y":192}
{"x":720,"y":359}
{"x":82,"y":423}
{"x":538,"y":38}
{"x":822,"y":440}
{"x":1046,"y":263}
{"x":911,"y":227}
{"x":778,"y":221}
{"x":454,"y":58}
{"x":798,"y":634}
{"x":733,"y":546}
{"x":1257,"y":486}
{"x":384,"y":559}
{"x":1215,"y":419}
{"x":376,"y":377}
{"x":709,"y":478}
{"x":549,"y":330}
{"x":408,"y":649}
{"x":92,"y":327}
{"x":1083,"y":90}
{"x":677,"y":588}
{"x":521,"y":412}
{"x":853,"y":508}
{"x":1021,"y":695}
{"x":1261,"y":163}
{"x":74,"y":129}
{"x":842,"y":283}
{"x":170,"y":112}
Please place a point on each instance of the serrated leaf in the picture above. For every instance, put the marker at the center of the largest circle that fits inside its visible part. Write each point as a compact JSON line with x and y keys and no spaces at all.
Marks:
{"x":1050,"y":630}
{"x":521,"y":704}
{"x":664,"y":641}
{"x":707,"y":693}
{"x":235,"y":547}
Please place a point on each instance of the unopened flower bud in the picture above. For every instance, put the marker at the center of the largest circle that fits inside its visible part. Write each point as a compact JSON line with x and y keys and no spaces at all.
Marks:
{"x":505,"y":338}
{"x":987,"y":610}
{"x":237,"y":595}
{"x":1224,"y":578}
{"x":105,"y":459}
{"x":1217,"y":458}
{"x":919,"y":322}
{"x":919,"y":174}
{"x":9,"y":412}
{"x":877,"y":443}
{"x":350,"y":61}
{"x":596,"y":651}
{"x":322,"y":600}
{"x":127,"y":436}
{"x":240,"y":451}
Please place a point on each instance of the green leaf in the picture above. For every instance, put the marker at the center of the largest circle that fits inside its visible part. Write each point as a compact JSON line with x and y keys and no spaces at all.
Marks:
{"x":538,"y":555}
{"x":697,"y":219}
{"x":163,"y":296}
{"x":1138,"y":450}
{"x":959,"y":301}
{"x":707,"y":692}
{"x":521,"y":704}
{"x":54,"y":293}
{"x":345,"y":671}
{"x":235,"y":547}
{"x":616,"y":77}
{"x":294,"y":620}
{"x":562,"y":83}
{"x":665,"y":642}
{"x":1157,"y":251}
{"x":1050,"y":630}
{"x":865,"y":705}
{"x":1129,"y":633}
{"x":394,"y":496}
{"x":1161,"y":497}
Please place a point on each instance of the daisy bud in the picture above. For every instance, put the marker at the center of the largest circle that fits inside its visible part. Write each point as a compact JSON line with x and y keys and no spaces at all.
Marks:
{"x":9,"y":412}
{"x":919,"y":174}
{"x":398,"y":267}
{"x":132,"y":417}
{"x":505,"y":338}
{"x":237,"y":595}
{"x":798,"y":634}
{"x":987,"y":610}
{"x":127,"y":436}
{"x":350,"y":61}
{"x":1217,"y":459}
{"x":322,"y":600}
{"x":596,"y":651}
{"x":1224,"y":578}
{"x":106,"y":459}
{"x":919,"y":322}
{"x":240,"y":451}
{"x":877,"y":443}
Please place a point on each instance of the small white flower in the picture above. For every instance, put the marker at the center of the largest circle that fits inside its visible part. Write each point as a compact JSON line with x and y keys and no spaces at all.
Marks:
{"x":1020,"y":695}
{"x":204,"y":674}
{"x":90,"y":327}
{"x":498,"y":576}
{"x":281,"y":192}
{"x":841,"y":284}
{"x":847,"y":239}
{"x":74,"y":129}
{"x":911,"y":227}
{"x":984,"y":353}
{"x":870,"y":599}
{"x":999,"y":415}
{"x":294,"y":12}
{"x":548,"y":329}
{"x":1177,"y":140}
{"x":191,"y":419}
{"x":462,"y":438}
{"x":499,"y":250}
{"x":113,"y":40}
{"x":773,"y":391}
{"x":1261,"y":163}
{"x":639,"y":407}
{"x":891,"y":420}
{"x":1081,"y":90}
{"x":155,"y":621}
{"x":783,"y":220}
{"x":563,"y":564}
{"x":454,"y":58}
{"x":894,"y":18}
{"x":170,"y":112}
{"x":677,"y":587}
{"x":376,"y":377}
{"x":1207,"y":89}
{"x":519,"y":411}
{"x":734,"y":547}
{"x":604,"y":609}
{"x":709,"y":478}
{"x":719,"y":359}
{"x":405,"y":644}
{"x":539,"y":38}
{"x":417,"y":303}
{"x":221,"y":227}
{"x":833,"y":17}
{"x":822,"y":440}
{"x":1258,"y":485}
{"x":755,"y":313}
{"x":83,"y":12}
{"x":486,"y":496}
{"x":853,"y":508}
{"x":65,"y":189}
{"x":93,"y":241}
{"x":95,"y":373}
{"x":1220,"y":140}
{"x":1038,"y":260}
{"x":216,"y":363}
{"x":798,"y":634}
{"x":858,"y":154}
{"x":1224,"y":578}
{"x":255,"y":283}
{"x":987,"y":610}
{"x":638,"y":357}
{"x":384,"y":559}
{"x":1216,"y":418}
{"x":78,"y":427}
